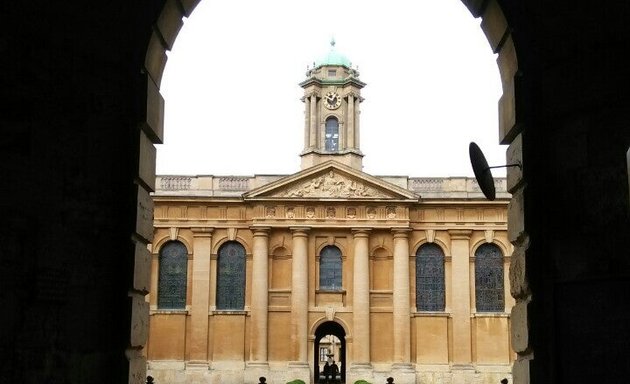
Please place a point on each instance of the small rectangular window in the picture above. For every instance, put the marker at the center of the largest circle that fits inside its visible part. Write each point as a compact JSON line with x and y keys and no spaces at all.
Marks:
{"x":332,"y":72}
{"x":323,"y":353}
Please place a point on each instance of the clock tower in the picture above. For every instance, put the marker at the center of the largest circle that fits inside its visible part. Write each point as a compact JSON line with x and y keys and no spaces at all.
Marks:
{"x":332,"y":94}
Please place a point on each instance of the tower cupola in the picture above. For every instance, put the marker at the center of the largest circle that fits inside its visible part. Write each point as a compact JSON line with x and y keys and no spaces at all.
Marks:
{"x":332,"y":94}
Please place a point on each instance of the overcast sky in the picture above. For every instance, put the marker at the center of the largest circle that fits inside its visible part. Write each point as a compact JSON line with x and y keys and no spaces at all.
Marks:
{"x":233,"y":101}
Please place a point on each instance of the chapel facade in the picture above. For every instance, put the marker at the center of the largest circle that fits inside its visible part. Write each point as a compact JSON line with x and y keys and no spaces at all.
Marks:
{"x":276,"y":275}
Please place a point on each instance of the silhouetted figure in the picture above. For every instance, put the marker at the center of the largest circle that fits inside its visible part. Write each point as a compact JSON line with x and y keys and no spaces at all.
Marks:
{"x":504,"y":381}
{"x":149,"y":379}
{"x":334,"y":371}
{"x":390,"y":380}
{"x":326,"y":373}
{"x":262,"y":380}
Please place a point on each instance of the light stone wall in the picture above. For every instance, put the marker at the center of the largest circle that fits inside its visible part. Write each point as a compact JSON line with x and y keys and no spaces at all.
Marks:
{"x":442,"y":349}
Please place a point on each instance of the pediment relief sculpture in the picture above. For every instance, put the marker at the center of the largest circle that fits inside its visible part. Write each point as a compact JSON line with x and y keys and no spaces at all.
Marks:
{"x":332,"y":184}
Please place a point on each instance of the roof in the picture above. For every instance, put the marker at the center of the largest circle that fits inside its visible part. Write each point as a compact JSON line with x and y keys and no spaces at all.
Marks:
{"x":333,"y":58}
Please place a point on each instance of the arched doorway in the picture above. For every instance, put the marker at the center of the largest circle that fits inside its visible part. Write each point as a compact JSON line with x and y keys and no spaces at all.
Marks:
{"x":330,"y":344}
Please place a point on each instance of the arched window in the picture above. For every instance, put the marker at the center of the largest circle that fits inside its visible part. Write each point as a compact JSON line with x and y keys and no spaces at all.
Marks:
{"x":330,"y":269}
{"x":231,"y":276}
{"x":332,"y":135}
{"x":430,"y":278}
{"x":172,"y":272}
{"x":489,"y":292}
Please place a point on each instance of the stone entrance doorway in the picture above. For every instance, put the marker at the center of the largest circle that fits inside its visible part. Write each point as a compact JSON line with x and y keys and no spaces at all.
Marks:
{"x":330,"y":345}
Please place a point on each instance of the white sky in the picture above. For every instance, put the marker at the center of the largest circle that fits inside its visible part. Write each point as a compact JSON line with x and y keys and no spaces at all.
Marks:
{"x":233,"y":101}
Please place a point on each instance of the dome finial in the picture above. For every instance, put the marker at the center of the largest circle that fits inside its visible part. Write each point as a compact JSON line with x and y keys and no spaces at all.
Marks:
{"x":332,"y":42}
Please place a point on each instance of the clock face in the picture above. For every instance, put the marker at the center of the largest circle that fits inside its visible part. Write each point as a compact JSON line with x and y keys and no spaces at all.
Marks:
{"x":332,"y":100}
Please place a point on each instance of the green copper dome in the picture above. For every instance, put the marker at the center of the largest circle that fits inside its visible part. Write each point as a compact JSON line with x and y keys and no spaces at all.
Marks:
{"x":333,"y":58}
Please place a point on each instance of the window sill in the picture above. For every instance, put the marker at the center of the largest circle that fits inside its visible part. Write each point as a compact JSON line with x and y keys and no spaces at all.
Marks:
{"x":431,"y":314}
{"x":330,"y":291}
{"x":490,"y":314}
{"x":235,"y":312}
{"x":169,"y":312}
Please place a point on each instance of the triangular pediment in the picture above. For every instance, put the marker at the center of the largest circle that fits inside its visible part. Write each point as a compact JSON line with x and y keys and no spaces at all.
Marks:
{"x":331,"y":180}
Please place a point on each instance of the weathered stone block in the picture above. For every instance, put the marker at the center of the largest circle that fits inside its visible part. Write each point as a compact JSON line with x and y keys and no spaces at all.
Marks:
{"x":153,"y":124}
{"x":514,"y":155}
{"x":142,"y":268}
{"x":474,"y":6}
{"x":494,"y":25}
{"x":516,"y":216}
{"x":520,"y":371}
{"x":519,"y":287}
{"x":507,"y":115}
{"x":139,"y":321}
{"x":170,"y":22}
{"x":144,"y":214}
{"x":507,"y":61}
{"x":155,"y":60}
{"x":137,"y":367}
{"x":146,"y":161}
{"x":189,"y":6}
{"x":520,"y":327}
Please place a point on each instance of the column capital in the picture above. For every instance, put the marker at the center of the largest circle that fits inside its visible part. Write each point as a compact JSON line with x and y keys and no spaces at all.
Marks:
{"x":401,"y":232}
{"x":460,"y":234}
{"x":300,"y":231}
{"x":202,"y":231}
{"x":260,"y":230}
{"x":361,"y":232}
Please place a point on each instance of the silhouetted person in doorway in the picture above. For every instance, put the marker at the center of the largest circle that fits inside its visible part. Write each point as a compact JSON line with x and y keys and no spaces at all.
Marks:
{"x":334,"y":371}
{"x":326,"y":373}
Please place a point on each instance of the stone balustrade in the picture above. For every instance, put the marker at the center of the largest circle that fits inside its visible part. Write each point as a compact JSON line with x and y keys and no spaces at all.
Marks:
{"x":234,"y":186}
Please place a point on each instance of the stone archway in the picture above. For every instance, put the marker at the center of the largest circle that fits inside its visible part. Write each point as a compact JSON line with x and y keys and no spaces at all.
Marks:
{"x":78,"y":162}
{"x":330,"y":328}
{"x":498,"y":33}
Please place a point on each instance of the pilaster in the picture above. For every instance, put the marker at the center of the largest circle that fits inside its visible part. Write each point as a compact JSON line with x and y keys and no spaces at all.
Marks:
{"x":200,"y":300}
{"x":462,"y":342}
{"x":299,"y":296}
{"x":350,"y":127}
{"x":361,"y":300}
{"x":401,"y":299}
{"x":260,"y":297}
{"x":313,"y":121}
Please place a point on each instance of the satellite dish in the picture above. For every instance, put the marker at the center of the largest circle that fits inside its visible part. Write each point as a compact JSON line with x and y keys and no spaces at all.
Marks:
{"x":482,"y":171}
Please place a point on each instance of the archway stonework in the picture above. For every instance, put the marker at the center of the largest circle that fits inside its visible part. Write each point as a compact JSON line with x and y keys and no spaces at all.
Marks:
{"x":542,"y":82}
{"x":330,"y":327}
{"x":82,"y":110}
{"x":497,"y":31}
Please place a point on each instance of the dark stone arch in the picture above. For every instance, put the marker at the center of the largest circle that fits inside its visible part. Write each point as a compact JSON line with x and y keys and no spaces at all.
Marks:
{"x":335,"y":329}
{"x":81,"y":77}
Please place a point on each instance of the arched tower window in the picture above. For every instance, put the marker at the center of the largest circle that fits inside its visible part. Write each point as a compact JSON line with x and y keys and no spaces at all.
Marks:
{"x":231,"y":276}
{"x":430,"y":278}
{"x":330,"y":269}
{"x":489,"y":292}
{"x":332,"y":135}
{"x":172,"y":272}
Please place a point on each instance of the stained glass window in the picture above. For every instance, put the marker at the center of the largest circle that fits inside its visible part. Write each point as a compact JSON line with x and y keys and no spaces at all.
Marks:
{"x":231,"y":276}
{"x":430,"y":278}
{"x":489,"y":292}
{"x":172,"y":271}
{"x":330,"y":269}
{"x":332,"y":135}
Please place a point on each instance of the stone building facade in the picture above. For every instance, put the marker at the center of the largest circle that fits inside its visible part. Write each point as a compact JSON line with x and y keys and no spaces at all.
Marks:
{"x":80,"y":125}
{"x":264,"y":275}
